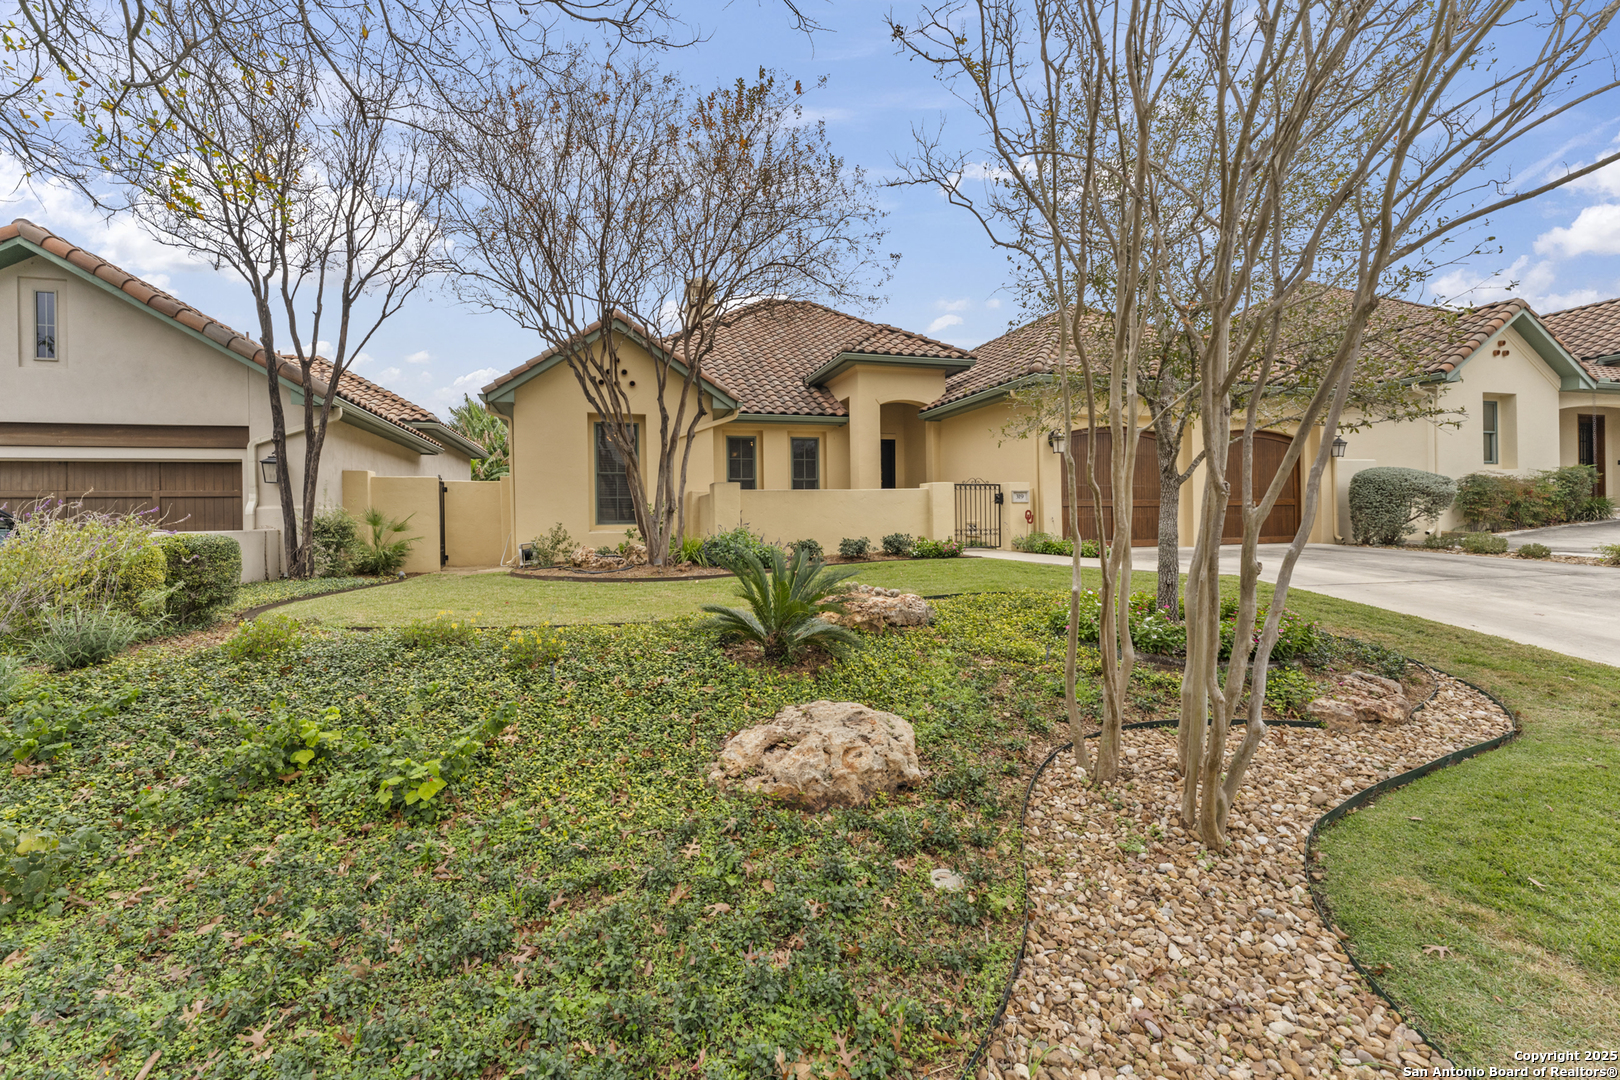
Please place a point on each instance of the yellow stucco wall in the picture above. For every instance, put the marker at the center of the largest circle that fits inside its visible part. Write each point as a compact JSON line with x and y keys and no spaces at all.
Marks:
{"x":829,"y":515}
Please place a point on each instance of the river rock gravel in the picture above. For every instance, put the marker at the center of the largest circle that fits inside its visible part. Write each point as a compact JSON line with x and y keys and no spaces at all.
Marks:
{"x":1149,"y":956}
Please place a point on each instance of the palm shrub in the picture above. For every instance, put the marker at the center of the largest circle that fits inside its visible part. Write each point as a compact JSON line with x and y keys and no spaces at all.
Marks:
{"x":1385,"y":501}
{"x":786,"y":603}
{"x":384,"y":551}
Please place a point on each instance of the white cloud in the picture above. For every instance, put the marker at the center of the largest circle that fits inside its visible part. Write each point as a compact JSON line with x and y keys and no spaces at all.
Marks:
{"x":362,"y":360}
{"x":1596,"y":231}
{"x":468,"y":384}
{"x":993,"y":303}
{"x":1464,"y":285}
{"x":951,"y":305}
{"x":421,"y":356}
{"x":388,"y":373}
{"x":1605,"y":181}
{"x":943,"y":322}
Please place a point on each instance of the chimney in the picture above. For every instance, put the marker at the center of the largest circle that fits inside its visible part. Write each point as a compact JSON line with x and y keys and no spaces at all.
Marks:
{"x":700,"y":306}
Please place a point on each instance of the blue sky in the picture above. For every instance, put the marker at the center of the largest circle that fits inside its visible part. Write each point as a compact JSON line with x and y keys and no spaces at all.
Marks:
{"x":1561,"y":250}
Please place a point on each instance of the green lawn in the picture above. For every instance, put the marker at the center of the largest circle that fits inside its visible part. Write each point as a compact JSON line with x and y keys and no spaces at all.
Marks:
{"x":1513,"y":863}
{"x":503,"y":600}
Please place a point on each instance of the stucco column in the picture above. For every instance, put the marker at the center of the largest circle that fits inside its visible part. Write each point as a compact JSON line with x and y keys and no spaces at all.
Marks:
{"x":865,"y":443}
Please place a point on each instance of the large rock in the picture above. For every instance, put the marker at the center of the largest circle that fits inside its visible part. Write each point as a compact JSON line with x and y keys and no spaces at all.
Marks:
{"x":589,"y":558}
{"x":825,"y":753}
{"x":1362,"y":697}
{"x":873,"y":609}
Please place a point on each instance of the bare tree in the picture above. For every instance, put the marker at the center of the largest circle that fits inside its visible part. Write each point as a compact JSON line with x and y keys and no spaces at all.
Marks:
{"x":314,"y":192}
{"x":615,"y":204}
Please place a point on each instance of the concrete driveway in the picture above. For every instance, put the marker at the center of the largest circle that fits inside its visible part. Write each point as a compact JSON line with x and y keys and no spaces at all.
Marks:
{"x":1569,"y":539}
{"x":1572,"y":609}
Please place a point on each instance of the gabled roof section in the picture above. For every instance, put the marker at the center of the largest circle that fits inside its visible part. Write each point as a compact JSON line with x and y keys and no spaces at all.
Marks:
{"x":500,"y":391}
{"x":383,"y":402}
{"x":1591,"y":333}
{"x":22,"y":239}
{"x":777,"y":352}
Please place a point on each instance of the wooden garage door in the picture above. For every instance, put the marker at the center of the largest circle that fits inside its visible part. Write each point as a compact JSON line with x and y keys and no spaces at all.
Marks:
{"x":1145,"y":504}
{"x":191,"y":496}
{"x":1283,"y":521}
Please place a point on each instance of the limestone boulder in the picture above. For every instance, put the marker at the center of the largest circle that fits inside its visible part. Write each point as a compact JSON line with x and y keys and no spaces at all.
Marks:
{"x":822,"y":754}
{"x":1362,"y":697}
{"x":875,"y":610}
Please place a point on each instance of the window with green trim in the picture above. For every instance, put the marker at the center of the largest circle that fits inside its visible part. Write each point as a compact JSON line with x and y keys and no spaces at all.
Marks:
{"x":806,"y":464}
{"x":614,"y":505}
{"x":1492,"y":414}
{"x":741,"y":462}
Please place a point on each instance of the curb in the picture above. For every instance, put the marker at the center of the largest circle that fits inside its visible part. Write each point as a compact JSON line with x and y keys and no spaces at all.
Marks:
{"x":1355,"y":801}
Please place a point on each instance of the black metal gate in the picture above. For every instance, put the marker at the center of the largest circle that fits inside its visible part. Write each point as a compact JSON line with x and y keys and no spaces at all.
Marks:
{"x":978,"y":514}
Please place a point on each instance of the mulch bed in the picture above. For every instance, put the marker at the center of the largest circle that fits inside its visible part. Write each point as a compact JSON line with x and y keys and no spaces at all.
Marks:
{"x":1150,"y":956}
{"x":684,"y":572}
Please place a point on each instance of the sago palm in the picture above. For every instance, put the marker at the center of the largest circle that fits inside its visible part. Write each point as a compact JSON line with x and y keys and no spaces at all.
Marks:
{"x":786,"y":603}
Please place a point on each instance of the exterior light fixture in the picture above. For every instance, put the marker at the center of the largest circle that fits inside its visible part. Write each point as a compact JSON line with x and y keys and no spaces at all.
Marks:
{"x":1058,"y":441}
{"x":270,"y":469}
{"x":1339,"y":446}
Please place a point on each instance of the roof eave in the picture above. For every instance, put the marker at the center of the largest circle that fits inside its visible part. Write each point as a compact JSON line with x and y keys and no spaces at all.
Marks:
{"x":444,"y":433}
{"x":845,"y":360}
{"x":982,"y":398}
{"x":1571,"y":376}
{"x":824,"y":419}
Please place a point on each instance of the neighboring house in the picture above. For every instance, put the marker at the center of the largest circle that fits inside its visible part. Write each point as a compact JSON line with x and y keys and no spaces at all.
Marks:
{"x":824,"y":425}
{"x":129,"y":398}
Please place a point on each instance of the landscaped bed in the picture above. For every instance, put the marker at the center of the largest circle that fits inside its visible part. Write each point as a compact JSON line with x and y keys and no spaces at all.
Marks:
{"x":579,"y":900}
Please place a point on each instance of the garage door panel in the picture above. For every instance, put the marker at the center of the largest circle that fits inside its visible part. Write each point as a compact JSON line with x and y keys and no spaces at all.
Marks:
{"x":1282,"y":523}
{"x":1145,"y":504}
{"x":187,"y":496}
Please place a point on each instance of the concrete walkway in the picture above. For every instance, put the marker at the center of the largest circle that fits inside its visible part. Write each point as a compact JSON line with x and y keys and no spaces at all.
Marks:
{"x":1567,"y":608}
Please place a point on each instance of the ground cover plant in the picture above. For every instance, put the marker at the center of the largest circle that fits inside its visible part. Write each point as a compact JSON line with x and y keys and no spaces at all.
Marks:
{"x":379,"y":858}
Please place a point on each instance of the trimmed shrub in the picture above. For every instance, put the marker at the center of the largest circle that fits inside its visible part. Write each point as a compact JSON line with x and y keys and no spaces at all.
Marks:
{"x":1534,"y":551}
{"x":1385,"y":501}
{"x":811,"y":548}
{"x":206,"y":571}
{"x":79,"y":637}
{"x":728,"y":549}
{"x":925,"y":548}
{"x":1484,"y":543}
{"x":1442,"y":541}
{"x":1043,"y":543}
{"x":858,"y":547}
{"x":334,"y":536}
{"x":1494,"y":502}
{"x":897,"y":544}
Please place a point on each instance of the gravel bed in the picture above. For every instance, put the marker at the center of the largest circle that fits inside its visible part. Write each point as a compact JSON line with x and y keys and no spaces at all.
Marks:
{"x":1148,"y":956}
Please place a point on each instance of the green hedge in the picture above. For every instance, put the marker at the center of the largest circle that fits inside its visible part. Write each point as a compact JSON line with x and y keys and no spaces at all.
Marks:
{"x":1385,"y":501}
{"x":207,"y":570}
{"x":1496,"y":503}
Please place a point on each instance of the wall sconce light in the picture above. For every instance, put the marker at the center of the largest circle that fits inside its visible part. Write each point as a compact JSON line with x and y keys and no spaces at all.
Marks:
{"x":1058,"y":441}
{"x":270,"y":469}
{"x":1339,"y":446}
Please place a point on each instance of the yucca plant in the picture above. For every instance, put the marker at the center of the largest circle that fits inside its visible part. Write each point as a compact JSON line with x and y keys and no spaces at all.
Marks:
{"x":786,"y":603}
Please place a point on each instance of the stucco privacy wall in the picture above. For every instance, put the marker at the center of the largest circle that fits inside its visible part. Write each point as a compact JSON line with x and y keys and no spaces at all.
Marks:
{"x":477,"y":523}
{"x":552,"y":440}
{"x":975,"y":445}
{"x":829,"y":515}
{"x":261,"y":552}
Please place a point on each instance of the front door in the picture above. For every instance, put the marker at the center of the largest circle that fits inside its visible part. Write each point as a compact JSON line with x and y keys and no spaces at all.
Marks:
{"x":1592,"y":448}
{"x":887,"y":454}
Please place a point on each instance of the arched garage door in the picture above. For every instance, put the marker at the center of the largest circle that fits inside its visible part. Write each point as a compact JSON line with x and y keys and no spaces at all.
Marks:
{"x":1269,"y":450}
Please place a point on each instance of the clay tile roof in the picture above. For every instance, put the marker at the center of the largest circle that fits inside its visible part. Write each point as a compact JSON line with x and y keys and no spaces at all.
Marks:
{"x":1591,"y":333}
{"x":365,"y":394}
{"x":764,"y":352}
{"x":1030,"y":349}
{"x":767,"y":350}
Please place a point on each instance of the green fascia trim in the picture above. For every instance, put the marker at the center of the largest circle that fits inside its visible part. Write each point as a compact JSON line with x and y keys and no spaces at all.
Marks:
{"x":18,"y":250}
{"x":369,"y":421}
{"x":1571,"y":376}
{"x":982,"y":398}
{"x":843,"y":361}
{"x":444,"y":433}
{"x":504,"y":395}
{"x":788,"y":418}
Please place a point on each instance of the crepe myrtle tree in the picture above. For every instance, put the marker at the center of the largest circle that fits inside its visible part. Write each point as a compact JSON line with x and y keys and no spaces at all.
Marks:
{"x":1423,"y":130}
{"x":615,"y":204}
{"x":312,"y":190}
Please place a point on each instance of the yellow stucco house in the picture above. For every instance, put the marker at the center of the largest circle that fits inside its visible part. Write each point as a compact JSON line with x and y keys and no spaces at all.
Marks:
{"x":824,"y":425}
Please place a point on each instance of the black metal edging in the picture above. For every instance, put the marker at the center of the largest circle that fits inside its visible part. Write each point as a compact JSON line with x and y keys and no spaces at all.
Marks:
{"x":1365,"y":796}
{"x":1360,"y":798}
{"x":254,"y":612}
